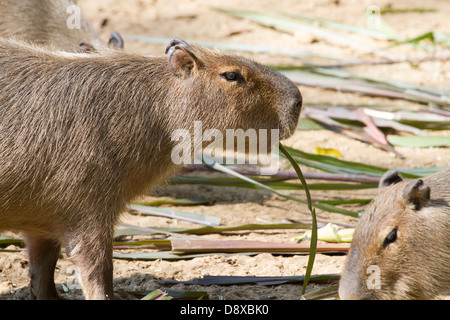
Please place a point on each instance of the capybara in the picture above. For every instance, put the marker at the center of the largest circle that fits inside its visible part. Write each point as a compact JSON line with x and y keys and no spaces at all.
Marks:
{"x":57,"y":24}
{"x":81,"y":135}
{"x":401,"y":245}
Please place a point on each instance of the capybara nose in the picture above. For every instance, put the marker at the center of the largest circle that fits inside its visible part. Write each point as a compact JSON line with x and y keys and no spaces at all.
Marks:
{"x":293,"y":113}
{"x":297,"y":99}
{"x":298,"y":104}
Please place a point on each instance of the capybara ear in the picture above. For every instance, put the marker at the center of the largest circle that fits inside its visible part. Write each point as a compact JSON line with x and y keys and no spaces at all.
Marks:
{"x":115,"y":40}
{"x":84,"y":47}
{"x":176,"y":41}
{"x":181,"y":61}
{"x":389,"y":178}
{"x":417,"y":193}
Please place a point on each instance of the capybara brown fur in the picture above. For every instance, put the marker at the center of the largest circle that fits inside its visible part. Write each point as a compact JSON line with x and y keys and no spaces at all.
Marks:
{"x":81,"y":135}
{"x":58,"y":24}
{"x":401,"y":245}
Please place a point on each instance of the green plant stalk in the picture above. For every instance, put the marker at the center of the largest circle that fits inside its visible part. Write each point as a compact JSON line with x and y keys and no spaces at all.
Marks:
{"x":278,"y":184}
{"x":157,"y":295}
{"x":385,"y":34}
{"x":313,"y":244}
{"x":327,"y":163}
{"x":316,"y":204}
{"x":175,"y":214}
{"x":175,"y":202}
{"x":289,"y":25}
{"x":6,"y":241}
{"x":245,"y":227}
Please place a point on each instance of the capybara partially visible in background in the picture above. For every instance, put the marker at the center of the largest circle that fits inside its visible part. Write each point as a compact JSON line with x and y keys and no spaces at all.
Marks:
{"x":81,"y":135}
{"x":56,"y":24}
{"x":401,"y":245}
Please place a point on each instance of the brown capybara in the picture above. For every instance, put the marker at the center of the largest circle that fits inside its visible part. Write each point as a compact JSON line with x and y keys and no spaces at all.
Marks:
{"x":401,"y":245}
{"x":58,"y":24}
{"x":81,"y":135}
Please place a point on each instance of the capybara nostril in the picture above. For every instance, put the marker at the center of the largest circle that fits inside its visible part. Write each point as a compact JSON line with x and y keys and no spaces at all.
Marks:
{"x":298,"y":104}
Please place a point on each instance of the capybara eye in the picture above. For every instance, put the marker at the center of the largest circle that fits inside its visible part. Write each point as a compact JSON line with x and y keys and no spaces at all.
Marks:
{"x":391,"y":237}
{"x":230,"y":76}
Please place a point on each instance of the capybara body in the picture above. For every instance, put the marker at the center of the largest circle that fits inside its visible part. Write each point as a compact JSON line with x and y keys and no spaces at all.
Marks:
{"x":401,"y":245}
{"x":81,"y":135}
{"x":56,"y":24}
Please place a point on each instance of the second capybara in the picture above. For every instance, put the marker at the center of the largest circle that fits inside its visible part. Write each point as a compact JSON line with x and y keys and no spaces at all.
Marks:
{"x":81,"y":135}
{"x":401,"y":245}
{"x":56,"y":24}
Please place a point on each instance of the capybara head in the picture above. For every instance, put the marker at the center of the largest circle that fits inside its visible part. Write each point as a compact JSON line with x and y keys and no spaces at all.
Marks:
{"x":400,"y":248}
{"x":245,"y":93}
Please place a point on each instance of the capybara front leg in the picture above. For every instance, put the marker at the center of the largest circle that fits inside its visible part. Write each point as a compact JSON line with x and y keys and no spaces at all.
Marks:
{"x":43,"y":254}
{"x":92,"y":253}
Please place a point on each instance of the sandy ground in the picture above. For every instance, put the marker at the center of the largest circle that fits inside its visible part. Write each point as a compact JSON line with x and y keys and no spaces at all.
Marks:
{"x":195,"y":21}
